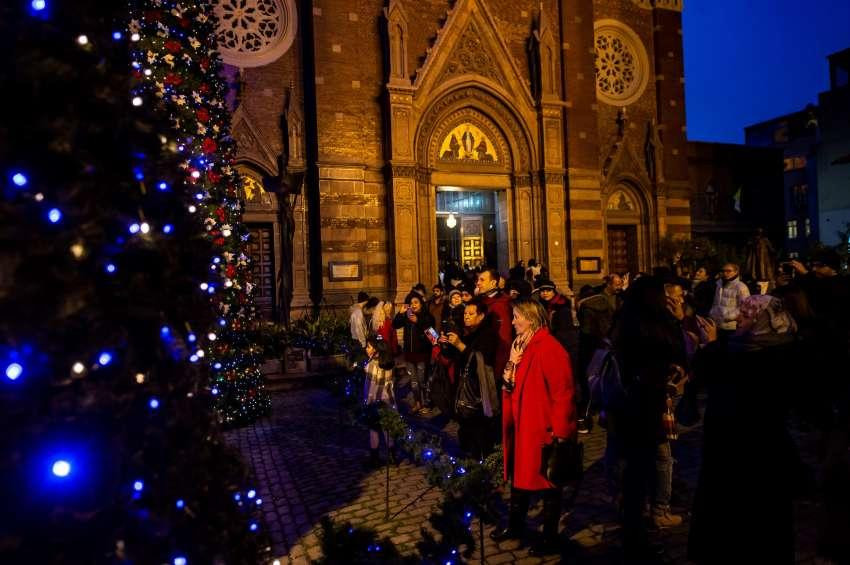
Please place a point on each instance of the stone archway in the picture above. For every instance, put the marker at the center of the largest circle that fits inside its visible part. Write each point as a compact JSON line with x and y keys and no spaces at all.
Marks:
{"x":500,"y":160}
{"x":629,"y":237}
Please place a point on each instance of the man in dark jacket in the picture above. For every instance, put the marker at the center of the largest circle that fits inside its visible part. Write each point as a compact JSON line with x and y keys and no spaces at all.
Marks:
{"x":499,"y":306}
{"x":560,"y":310}
{"x":477,"y":403}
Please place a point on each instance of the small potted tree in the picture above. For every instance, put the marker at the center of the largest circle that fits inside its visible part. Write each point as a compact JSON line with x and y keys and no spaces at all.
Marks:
{"x":326,"y":338}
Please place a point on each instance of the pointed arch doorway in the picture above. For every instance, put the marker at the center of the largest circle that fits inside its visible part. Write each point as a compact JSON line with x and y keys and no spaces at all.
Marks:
{"x":626,"y":231}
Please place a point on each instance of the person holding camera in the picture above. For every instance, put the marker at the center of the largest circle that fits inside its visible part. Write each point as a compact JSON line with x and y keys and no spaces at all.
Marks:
{"x":415,"y":320}
{"x":477,"y":400}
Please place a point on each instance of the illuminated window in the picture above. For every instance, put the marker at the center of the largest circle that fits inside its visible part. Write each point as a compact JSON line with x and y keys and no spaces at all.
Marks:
{"x":808,"y":227}
{"x":792,"y":229}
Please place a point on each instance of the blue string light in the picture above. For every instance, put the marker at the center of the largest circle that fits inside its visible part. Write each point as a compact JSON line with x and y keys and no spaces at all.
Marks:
{"x":13,"y":371}
{"x":105,"y":358}
{"x":61,"y":468}
{"x":54,"y":215}
{"x":111,"y":268}
{"x":180,"y":504}
{"x":116,"y":35}
{"x":138,"y":486}
{"x":134,"y":228}
{"x":38,"y":5}
{"x":162,"y":186}
{"x":20,"y":179}
{"x":167,"y":228}
{"x":165,"y":331}
{"x":180,"y":560}
{"x":254,"y":527}
{"x":154,"y":403}
{"x":192,"y":338}
{"x":252,"y":493}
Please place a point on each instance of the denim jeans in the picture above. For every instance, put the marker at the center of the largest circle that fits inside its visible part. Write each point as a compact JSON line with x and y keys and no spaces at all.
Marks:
{"x":663,"y":477}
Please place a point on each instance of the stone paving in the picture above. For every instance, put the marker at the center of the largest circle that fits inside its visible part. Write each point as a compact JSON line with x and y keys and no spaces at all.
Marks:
{"x":308,"y":464}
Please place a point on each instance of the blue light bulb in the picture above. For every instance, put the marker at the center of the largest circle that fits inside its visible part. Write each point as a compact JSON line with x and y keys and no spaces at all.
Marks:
{"x":38,"y":5}
{"x":164,"y":331}
{"x":138,"y":486}
{"x":20,"y":179}
{"x":138,"y":172}
{"x":167,"y":228}
{"x":180,"y":503}
{"x":54,"y":215}
{"x":254,"y":527}
{"x":252,"y":493}
{"x":116,"y":35}
{"x":13,"y":371}
{"x":110,"y":268}
{"x":193,"y":358}
{"x":154,"y":403}
{"x":214,"y":391}
{"x":222,"y":322}
{"x":162,"y":185}
{"x":180,"y":560}
{"x":61,"y":468}
{"x":192,"y":338}
{"x":134,"y":228}
{"x":217,"y":366}
{"x":104,"y":358}
{"x":237,"y":497}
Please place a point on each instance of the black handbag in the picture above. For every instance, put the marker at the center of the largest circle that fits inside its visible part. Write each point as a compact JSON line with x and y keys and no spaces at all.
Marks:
{"x":562,"y":461}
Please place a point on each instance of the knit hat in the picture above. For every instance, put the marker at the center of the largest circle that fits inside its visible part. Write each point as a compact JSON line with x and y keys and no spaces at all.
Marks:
{"x":544,"y":284}
{"x":452,"y":292}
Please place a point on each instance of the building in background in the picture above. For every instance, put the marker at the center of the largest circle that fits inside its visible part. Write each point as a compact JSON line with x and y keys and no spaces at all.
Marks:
{"x":737,"y":190}
{"x":816,"y":149}
{"x":381,"y":139}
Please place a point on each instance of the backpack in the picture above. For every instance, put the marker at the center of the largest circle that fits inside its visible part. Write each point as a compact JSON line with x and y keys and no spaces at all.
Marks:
{"x":604,"y":380}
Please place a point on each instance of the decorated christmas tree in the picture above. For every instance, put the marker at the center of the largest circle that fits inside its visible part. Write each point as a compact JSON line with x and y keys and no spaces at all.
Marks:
{"x":117,"y":229}
{"x":179,"y":70}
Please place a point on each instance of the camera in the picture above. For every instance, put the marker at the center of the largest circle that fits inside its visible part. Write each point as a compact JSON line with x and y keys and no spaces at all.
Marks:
{"x":449,"y":326}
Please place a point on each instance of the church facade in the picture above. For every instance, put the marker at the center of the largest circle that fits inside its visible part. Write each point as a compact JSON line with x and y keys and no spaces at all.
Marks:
{"x":381,"y":140}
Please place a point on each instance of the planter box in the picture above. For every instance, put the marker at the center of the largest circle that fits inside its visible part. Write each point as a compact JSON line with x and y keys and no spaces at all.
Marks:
{"x":272,"y":367}
{"x":295,"y":361}
{"x":326,"y":363}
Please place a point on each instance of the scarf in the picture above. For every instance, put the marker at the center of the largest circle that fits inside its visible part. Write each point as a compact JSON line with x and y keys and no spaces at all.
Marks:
{"x":520,"y":343}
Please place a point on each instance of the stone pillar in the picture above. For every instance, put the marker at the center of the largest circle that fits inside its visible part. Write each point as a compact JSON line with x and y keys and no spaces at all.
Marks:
{"x":586,"y":223}
{"x":670,"y":89}
{"x":405,"y":248}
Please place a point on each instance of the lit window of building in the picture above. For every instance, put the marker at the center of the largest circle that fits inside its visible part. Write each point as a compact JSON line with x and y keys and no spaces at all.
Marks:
{"x":792,"y":229}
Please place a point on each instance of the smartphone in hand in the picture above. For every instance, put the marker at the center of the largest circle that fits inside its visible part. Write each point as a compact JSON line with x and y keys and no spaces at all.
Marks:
{"x":432,"y":335}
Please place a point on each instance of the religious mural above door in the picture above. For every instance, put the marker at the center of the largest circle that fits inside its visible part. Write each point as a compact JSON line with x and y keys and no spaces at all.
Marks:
{"x":468,"y":143}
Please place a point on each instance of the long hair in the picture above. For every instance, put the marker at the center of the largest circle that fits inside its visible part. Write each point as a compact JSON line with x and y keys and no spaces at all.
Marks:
{"x":532,"y":311}
{"x":378,"y":316}
{"x":383,"y":355}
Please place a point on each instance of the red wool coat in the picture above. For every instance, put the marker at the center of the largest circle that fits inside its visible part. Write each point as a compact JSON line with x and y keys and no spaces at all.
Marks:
{"x":541,"y":407}
{"x":501,"y":312}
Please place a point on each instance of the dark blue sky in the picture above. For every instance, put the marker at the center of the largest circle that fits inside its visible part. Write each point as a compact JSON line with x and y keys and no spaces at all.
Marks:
{"x":750,"y":60}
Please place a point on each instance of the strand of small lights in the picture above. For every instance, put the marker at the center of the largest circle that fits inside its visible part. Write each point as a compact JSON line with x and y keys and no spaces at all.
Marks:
{"x":177,"y":67}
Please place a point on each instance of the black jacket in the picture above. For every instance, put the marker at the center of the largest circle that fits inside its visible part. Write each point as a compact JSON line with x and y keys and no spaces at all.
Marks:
{"x":414,"y":340}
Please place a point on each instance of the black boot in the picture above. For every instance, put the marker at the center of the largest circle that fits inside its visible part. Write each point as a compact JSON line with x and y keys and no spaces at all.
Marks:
{"x":516,"y":518}
{"x":374,"y":460}
{"x":549,"y":543}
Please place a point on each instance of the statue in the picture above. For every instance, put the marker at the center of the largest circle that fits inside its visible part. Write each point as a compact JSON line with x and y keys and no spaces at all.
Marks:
{"x":654,"y":152}
{"x":454,"y":149}
{"x":760,"y":258}
{"x":622,"y":122}
{"x":481,"y":150}
{"x":468,"y":143}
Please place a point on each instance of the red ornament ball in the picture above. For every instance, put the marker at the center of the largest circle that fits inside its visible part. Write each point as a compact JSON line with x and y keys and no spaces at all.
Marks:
{"x":209,"y":146}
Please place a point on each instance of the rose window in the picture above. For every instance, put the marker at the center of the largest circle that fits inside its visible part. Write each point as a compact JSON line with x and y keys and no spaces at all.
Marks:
{"x":252,"y":33}
{"x":621,"y":64}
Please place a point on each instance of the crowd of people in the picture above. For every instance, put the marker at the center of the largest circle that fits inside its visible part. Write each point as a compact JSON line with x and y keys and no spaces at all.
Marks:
{"x":518,"y":361}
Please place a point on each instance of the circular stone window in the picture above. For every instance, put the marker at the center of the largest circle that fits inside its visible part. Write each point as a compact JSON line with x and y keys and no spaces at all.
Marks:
{"x":252,"y":33}
{"x":622,"y":66}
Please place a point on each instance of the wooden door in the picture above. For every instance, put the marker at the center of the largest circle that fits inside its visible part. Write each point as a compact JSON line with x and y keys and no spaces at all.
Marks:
{"x":622,"y":249}
{"x":261,"y":249}
{"x":472,"y":230}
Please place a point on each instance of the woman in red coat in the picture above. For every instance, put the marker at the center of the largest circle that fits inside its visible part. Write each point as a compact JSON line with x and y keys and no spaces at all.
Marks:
{"x":538,"y":408}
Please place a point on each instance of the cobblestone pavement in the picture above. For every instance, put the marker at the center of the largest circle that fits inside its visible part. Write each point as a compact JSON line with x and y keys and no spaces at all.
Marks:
{"x":308,"y":465}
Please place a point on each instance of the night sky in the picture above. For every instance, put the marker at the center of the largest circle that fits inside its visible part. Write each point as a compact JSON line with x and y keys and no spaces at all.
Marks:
{"x":750,"y":60}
